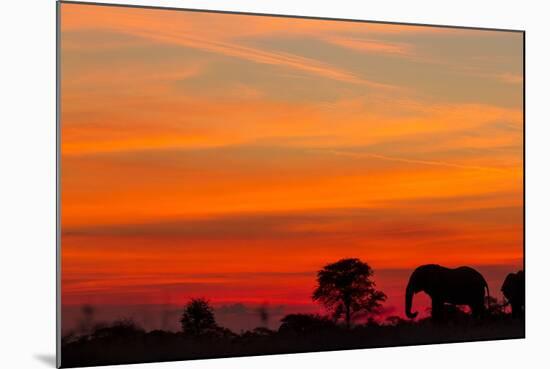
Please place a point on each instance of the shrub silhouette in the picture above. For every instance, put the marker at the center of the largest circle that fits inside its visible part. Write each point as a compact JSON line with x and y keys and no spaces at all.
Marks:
{"x":198,"y":318}
{"x":263,"y":312}
{"x":305,"y":324}
{"x":496,"y":308}
{"x":118,"y":330}
{"x":346,"y":289}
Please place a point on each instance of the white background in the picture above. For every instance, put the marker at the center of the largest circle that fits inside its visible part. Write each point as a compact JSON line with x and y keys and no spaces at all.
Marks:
{"x":27,"y":185}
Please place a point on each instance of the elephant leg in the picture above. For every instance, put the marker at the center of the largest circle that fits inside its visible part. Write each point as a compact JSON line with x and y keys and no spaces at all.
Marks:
{"x":437,"y":310}
{"x":516,"y":310}
{"x":478,"y":308}
{"x":477,"y":305}
{"x":483,"y":312}
{"x":478,"y":311}
{"x":520,"y":311}
{"x":521,"y":308}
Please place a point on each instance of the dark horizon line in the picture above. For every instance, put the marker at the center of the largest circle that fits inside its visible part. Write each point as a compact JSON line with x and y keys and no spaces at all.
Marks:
{"x":235,"y":12}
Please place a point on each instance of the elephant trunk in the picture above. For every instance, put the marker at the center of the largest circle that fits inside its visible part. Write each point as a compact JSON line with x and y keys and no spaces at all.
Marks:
{"x":408,"y":302}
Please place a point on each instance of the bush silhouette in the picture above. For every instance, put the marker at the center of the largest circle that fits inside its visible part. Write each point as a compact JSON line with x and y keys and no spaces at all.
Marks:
{"x":198,"y":318}
{"x":305,"y":324}
{"x":119,"y":330}
{"x":346,"y":289}
{"x":496,"y":308}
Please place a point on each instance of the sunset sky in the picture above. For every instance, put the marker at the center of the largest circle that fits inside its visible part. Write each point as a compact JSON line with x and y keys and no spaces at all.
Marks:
{"x":232,"y":156}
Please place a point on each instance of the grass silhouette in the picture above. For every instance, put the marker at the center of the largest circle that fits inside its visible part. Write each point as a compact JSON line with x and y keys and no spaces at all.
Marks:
{"x":123,"y":342}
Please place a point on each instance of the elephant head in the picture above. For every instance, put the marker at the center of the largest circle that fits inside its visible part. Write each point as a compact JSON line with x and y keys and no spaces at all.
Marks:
{"x":512,"y":285}
{"x":420,"y":280}
{"x":513,"y":290}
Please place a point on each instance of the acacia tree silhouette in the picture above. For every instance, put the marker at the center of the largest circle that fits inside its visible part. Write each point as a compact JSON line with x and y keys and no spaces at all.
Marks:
{"x":346,"y":288}
{"x":198,"y":317}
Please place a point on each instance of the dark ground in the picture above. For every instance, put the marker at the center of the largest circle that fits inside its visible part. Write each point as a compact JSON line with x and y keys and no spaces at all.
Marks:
{"x":124,"y":342}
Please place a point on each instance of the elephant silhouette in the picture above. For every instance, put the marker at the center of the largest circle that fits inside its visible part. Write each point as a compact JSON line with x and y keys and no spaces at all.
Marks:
{"x":459,"y":286}
{"x":513,"y":289}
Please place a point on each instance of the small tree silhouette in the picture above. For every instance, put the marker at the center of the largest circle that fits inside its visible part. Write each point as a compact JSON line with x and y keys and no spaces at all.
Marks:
{"x":85,"y":325}
{"x":198,"y":317}
{"x":346,"y":288}
{"x":263,"y":312}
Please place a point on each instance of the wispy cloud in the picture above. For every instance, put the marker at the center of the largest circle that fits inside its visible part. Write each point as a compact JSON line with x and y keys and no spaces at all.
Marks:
{"x":372,"y":46}
{"x":510,"y":78}
{"x":152,"y":27}
{"x":258,"y":55}
{"x":411,"y":161}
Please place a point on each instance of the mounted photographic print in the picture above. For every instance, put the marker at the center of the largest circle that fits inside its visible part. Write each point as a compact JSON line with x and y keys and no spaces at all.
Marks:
{"x":235,"y":184}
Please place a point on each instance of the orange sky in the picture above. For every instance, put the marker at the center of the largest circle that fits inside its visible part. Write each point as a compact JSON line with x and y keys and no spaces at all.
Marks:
{"x":232,"y":156}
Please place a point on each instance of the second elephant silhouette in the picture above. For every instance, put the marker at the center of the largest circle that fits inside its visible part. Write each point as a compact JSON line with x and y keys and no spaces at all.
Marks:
{"x":513,"y":288}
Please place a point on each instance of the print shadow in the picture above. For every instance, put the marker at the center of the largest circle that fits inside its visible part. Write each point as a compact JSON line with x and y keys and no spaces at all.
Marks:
{"x":48,"y":359}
